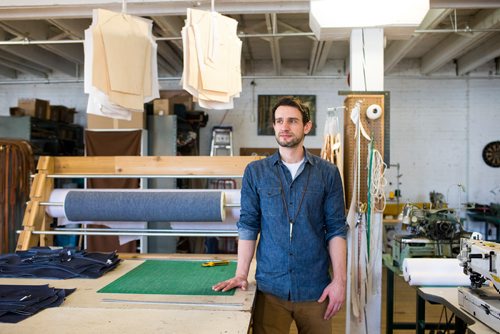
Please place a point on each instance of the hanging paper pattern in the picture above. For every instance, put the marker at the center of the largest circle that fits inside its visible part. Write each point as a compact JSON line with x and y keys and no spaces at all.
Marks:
{"x":212,"y":55}
{"x":120,"y":64}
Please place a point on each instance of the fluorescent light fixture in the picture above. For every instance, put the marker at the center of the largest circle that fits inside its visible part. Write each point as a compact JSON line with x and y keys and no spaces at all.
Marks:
{"x":334,"y":19}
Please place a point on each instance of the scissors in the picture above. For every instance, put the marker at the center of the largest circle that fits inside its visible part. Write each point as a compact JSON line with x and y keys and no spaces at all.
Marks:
{"x":215,"y":263}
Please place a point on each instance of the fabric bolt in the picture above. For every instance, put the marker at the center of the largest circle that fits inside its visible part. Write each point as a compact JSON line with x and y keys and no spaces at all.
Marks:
{"x":148,"y":206}
{"x":18,"y":302}
{"x":295,"y":267}
{"x":232,"y":214}
{"x":43,"y":262}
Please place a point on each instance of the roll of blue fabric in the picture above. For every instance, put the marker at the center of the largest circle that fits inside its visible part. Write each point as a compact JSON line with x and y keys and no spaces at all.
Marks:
{"x":144,"y":206}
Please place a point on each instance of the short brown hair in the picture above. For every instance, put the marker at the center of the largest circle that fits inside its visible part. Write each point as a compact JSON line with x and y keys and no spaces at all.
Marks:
{"x":296,"y":103}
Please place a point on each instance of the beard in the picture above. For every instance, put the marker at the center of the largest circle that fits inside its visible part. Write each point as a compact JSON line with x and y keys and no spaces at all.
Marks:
{"x":292,"y":142}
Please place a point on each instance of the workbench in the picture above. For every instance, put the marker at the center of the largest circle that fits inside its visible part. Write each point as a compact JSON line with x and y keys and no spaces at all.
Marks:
{"x":446,"y":296}
{"x":86,"y":311}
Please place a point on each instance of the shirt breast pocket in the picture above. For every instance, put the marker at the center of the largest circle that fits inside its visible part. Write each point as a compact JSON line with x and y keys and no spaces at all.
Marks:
{"x":271,"y":201}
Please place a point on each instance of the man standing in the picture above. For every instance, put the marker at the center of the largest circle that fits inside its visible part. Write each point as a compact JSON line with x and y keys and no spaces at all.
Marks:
{"x":295,"y":201}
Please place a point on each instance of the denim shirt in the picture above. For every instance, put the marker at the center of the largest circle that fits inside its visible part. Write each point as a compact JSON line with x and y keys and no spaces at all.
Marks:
{"x":292,"y":267}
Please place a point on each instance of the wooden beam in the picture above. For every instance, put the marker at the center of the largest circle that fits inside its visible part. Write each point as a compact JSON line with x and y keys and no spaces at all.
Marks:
{"x":152,"y":165}
{"x":45,"y":9}
{"x":456,"y":45}
{"x":398,"y":49}
{"x":479,"y":56}
{"x":274,"y":42}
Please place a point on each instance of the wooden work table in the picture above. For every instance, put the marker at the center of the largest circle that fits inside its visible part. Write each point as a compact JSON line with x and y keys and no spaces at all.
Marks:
{"x":86,"y":311}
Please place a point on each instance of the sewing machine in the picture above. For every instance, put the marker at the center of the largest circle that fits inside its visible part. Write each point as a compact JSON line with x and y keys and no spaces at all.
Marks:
{"x":481,"y":261}
{"x":431,"y":233}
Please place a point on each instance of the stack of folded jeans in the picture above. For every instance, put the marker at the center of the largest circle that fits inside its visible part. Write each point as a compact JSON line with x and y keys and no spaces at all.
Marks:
{"x":18,"y":302}
{"x":43,"y":262}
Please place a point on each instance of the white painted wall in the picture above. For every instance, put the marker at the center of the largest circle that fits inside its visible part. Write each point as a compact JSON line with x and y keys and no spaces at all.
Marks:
{"x":439,"y":126}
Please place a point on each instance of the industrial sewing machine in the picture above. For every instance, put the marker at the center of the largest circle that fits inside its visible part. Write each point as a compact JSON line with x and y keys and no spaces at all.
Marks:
{"x":481,"y":261}
{"x":430,"y":233}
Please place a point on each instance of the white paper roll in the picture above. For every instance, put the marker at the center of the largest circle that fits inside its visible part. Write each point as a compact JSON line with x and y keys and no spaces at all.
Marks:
{"x":434,"y":271}
{"x":374,"y":111}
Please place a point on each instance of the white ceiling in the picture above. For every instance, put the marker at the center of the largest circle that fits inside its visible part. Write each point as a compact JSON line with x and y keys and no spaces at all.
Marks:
{"x":43,"y":38}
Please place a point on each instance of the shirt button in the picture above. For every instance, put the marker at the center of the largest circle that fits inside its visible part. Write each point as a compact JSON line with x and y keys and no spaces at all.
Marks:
{"x":291,"y":254}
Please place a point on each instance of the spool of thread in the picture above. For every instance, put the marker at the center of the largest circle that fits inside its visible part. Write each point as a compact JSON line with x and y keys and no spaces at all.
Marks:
{"x":374,"y":111}
{"x":144,"y":206}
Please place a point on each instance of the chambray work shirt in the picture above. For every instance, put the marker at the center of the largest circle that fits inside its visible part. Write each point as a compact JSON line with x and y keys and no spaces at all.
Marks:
{"x":293,"y":268}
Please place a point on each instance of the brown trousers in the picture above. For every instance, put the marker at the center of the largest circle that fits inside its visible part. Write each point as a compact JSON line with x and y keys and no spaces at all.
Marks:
{"x":273,"y":315}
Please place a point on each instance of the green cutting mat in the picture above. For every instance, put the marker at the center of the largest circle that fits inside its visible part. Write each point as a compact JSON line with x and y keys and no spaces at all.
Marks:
{"x":172,"y":278}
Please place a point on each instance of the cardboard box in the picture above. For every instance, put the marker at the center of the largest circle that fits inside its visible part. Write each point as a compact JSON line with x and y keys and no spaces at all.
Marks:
{"x":101,"y":122}
{"x":62,"y":114}
{"x":177,"y":97}
{"x":161,"y":107}
{"x":16,"y":111}
{"x":35,"y":108}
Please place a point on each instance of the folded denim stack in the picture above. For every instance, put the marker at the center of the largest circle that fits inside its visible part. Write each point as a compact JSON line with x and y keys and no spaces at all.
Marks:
{"x":43,"y":262}
{"x":18,"y":302}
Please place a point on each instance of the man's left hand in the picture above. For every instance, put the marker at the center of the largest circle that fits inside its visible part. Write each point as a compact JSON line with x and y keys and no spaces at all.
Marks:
{"x":335,"y":291}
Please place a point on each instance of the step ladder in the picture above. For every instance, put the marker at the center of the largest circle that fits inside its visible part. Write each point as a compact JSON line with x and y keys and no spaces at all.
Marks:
{"x":222,"y":141}
{"x":222,"y":145}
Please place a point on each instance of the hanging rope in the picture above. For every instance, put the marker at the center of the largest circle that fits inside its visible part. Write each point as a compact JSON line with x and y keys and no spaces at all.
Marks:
{"x":378,"y":182}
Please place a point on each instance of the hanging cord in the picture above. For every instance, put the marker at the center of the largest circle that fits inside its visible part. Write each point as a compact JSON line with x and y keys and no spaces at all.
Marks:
{"x":378,"y":182}
{"x":369,"y":197}
{"x":124,"y":6}
{"x":214,"y":34}
{"x":355,"y":112}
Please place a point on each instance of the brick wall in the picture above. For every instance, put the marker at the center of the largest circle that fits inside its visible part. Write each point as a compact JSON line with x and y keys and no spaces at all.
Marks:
{"x":439,"y":126}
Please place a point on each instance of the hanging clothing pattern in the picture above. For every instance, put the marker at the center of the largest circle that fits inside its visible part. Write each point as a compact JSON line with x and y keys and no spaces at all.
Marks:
{"x":212,"y":55}
{"x":120,"y":64}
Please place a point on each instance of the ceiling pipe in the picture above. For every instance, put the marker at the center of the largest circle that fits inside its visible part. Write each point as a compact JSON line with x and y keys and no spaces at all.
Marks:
{"x":447,"y":31}
{"x":27,"y":41}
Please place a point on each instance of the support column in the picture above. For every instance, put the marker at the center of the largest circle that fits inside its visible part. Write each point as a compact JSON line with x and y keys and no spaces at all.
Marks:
{"x":367,"y":59}
{"x":367,"y":74}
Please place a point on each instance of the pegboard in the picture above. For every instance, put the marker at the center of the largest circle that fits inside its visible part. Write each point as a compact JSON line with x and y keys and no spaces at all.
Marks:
{"x":374,"y":128}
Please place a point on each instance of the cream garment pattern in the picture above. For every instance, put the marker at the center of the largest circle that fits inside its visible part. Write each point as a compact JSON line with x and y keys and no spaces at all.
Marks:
{"x":120,"y":64}
{"x":212,"y":55}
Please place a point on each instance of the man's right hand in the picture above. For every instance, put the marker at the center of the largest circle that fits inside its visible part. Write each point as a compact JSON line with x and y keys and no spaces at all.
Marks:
{"x":235,"y":282}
